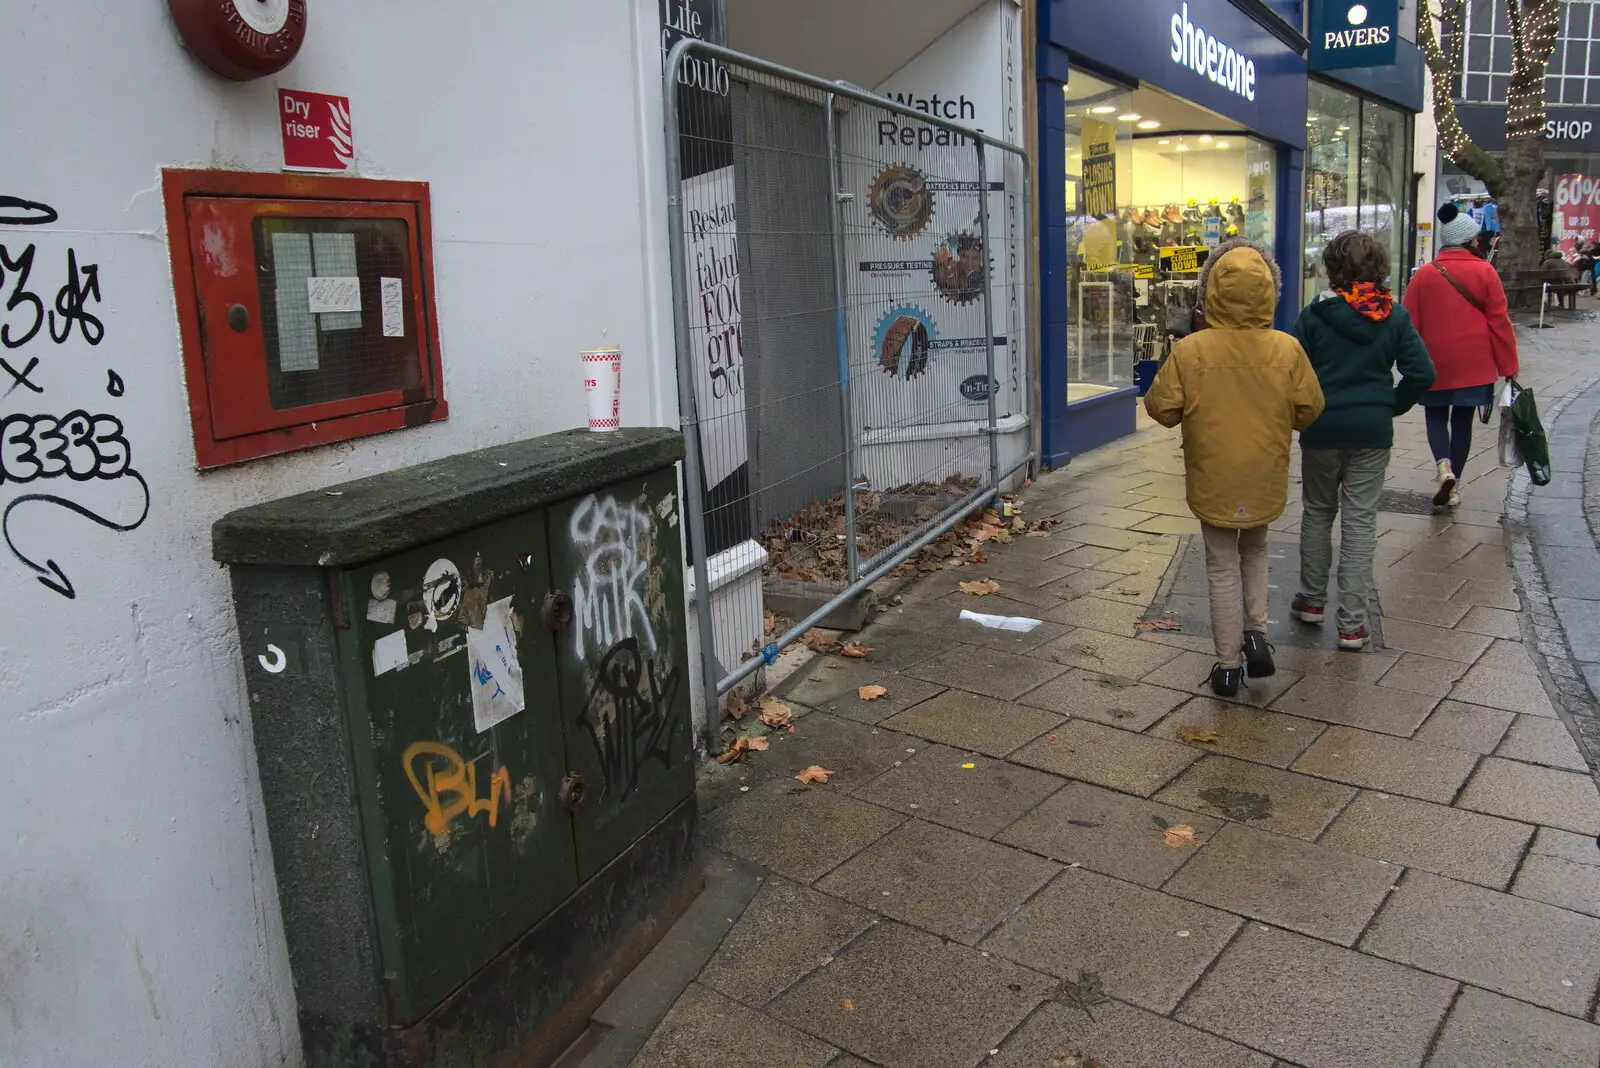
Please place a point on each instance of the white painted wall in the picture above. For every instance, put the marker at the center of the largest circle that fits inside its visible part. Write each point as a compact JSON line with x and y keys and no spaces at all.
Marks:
{"x":139,"y":922}
{"x":1426,"y":159}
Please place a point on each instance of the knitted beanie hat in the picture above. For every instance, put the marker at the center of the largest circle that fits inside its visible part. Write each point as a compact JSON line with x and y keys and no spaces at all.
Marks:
{"x":1456,"y":227}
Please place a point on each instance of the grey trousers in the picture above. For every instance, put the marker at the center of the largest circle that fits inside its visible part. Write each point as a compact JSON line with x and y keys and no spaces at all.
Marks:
{"x":1346,"y":483}
{"x":1236,"y":573}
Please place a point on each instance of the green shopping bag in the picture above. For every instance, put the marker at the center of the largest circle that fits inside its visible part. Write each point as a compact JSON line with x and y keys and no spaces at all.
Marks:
{"x":1529,"y":431}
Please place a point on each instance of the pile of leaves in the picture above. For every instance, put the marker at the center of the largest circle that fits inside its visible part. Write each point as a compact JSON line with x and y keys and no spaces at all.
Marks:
{"x":809,"y":546}
{"x":967,"y":544}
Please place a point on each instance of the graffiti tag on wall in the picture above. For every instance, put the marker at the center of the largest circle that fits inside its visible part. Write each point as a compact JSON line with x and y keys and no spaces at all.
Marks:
{"x":628,"y":714}
{"x":79,"y":446}
{"x":445,"y":775}
{"x":608,"y":596}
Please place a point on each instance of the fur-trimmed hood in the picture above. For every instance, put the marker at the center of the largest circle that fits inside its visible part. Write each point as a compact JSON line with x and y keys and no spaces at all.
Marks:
{"x":1240,"y":287}
{"x":1228,"y":246}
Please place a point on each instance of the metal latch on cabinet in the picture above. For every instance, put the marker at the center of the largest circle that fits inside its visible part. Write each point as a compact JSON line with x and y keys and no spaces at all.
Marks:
{"x":573,"y":791}
{"x":556,"y":613}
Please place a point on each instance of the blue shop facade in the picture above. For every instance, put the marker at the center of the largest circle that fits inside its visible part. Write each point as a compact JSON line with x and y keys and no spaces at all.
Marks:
{"x":1168,"y":126}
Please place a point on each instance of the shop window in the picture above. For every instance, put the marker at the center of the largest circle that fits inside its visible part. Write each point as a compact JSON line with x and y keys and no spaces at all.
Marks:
{"x":306,"y":309}
{"x":1100,"y":336}
{"x":1385,"y":194}
{"x":1358,"y":163}
{"x":1153,"y":183}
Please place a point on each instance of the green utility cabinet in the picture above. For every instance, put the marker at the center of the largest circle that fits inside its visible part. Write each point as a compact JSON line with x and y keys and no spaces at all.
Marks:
{"x":468,"y":683}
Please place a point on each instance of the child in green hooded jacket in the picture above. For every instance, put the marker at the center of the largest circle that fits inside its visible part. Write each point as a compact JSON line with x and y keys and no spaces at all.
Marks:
{"x":1355,"y":336}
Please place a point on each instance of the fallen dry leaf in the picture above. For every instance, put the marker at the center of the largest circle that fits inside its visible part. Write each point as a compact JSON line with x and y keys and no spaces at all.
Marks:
{"x":1127,"y":591}
{"x":1037,"y":534}
{"x":849,"y":1006}
{"x":987,"y":531}
{"x":1179,"y":835}
{"x":980,"y":587}
{"x":736,"y":706}
{"x":756,"y":744}
{"x":774,"y":713}
{"x":815,"y":773}
{"x":883,"y":608}
{"x":819,"y":642}
{"x":872,"y":693}
{"x":977,"y":556}
{"x":854,"y":650}
{"x":736,"y":750}
{"x":1157,"y":624}
{"x":1204,"y":735}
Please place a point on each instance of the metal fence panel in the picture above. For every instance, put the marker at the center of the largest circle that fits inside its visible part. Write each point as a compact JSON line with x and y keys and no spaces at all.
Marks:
{"x":850,"y":283}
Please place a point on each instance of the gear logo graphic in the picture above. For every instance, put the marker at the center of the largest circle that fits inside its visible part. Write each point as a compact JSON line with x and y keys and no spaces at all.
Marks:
{"x":901,"y":201}
{"x":903,"y":341}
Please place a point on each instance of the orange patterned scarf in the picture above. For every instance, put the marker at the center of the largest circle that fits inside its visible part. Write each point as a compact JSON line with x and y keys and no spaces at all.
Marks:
{"x":1371,"y":300}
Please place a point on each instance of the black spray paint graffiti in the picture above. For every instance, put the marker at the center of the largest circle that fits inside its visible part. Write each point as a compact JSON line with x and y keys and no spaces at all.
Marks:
{"x":26,"y":315}
{"x":80,"y":446}
{"x":629,"y":714}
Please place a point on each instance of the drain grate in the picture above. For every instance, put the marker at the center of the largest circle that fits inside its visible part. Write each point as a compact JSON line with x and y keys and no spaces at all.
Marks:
{"x":1406,"y":502}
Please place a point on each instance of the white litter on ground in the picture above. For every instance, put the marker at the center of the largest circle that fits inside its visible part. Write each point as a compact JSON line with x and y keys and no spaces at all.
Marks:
{"x":1021,"y":624}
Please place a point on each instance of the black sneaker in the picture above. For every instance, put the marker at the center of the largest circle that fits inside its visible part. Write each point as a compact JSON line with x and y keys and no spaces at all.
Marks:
{"x":1258,"y":655}
{"x":1225,"y":680}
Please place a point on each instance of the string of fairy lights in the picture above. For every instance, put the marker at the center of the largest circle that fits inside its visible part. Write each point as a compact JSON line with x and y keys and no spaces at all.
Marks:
{"x":1535,"y":25}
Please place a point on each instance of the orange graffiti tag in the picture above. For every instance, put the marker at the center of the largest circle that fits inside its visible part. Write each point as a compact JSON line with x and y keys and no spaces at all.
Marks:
{"x":450,"y":775}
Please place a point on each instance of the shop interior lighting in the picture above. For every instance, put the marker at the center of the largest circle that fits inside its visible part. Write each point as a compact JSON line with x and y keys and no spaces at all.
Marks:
{"x":1222,"y":144}
{"x":1183,"y":148}
{"x":1103,"y":109}
{"x":1205,"y":137}
{"x":1150,"y":124}
{"x":1165,"y":141}
{"x":1132,"y":116}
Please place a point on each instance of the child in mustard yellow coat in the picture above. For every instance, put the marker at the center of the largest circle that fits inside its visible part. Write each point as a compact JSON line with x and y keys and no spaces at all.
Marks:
{"x":1240,"y":389}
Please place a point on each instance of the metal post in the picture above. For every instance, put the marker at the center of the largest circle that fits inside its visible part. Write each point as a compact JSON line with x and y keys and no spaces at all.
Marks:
{"x":1032,"y":356}
{"x":988,"y":312}
{"x":852,"y":550}
{"x":688,"y":408}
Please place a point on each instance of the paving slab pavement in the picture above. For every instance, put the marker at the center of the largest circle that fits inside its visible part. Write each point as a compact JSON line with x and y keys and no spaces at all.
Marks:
{"x":1061,"y":845}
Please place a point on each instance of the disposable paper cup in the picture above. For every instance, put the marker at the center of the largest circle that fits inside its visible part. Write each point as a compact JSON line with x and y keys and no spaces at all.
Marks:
{"x":602,"y":384}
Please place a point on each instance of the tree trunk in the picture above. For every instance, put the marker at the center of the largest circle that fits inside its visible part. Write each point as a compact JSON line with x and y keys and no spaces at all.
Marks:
{"x":1519,"y":205}
{"x":1533,"y":24}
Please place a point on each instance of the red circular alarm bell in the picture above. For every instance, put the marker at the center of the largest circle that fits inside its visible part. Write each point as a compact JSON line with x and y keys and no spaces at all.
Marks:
{"x":242,"y":39}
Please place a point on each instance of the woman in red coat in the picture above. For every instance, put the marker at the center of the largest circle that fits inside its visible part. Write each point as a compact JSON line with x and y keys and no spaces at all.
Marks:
{"x":1459,"y":308}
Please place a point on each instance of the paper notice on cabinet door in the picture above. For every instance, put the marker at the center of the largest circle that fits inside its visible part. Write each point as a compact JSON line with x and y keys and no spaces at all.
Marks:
{"x":394,"y":309}
{"x":389,"y":653}
{"x":333,"y":294}
{"x":496,"y":673}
